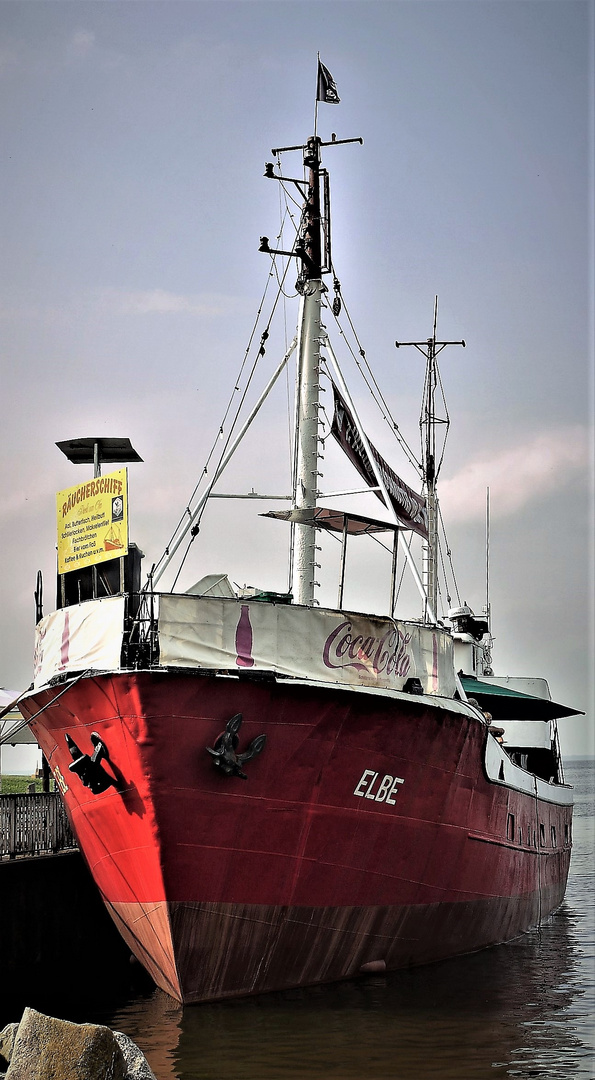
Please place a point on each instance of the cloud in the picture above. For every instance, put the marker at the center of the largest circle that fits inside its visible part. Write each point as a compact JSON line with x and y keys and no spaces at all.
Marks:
{"x":160,"y":302}
{"x":134,"y":302}
{"x":81,"y":43}
{"x":517,"y":475}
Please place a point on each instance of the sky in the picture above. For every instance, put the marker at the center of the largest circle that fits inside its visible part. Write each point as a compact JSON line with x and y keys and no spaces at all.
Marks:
{"x":132,"y":152}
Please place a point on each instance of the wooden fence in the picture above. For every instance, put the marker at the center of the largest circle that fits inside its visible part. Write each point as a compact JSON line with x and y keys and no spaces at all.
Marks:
{"x":33,"y":825}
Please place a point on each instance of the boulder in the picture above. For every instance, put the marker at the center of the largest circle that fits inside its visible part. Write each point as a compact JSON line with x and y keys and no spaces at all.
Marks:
{"x":48,"y":1049}
{"x":137,"y":1066}
{"x":6,"y":1043}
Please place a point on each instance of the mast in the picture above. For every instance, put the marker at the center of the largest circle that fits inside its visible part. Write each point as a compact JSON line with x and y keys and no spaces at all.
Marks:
{"x":432,"y":454}
{"x":313,"y":249}
{"x":308,"y":383}
{"x":428,"y":424}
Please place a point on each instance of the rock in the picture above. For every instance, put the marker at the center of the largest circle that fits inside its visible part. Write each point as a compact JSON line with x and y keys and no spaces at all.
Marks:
{"x":6,"y":1043}
{"x":48,"y":1049}
{"x":137,"y":1066}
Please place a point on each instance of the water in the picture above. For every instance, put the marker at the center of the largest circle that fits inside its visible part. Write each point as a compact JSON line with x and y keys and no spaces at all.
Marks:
{"x":525,"y":1009}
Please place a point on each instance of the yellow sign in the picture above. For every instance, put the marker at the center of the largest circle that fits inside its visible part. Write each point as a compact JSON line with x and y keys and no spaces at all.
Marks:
{"x":92,"y":521}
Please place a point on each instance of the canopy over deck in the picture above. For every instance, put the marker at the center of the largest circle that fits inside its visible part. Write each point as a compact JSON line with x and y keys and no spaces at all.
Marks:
{"x":334,"y":521}
{"x":505,"y":703}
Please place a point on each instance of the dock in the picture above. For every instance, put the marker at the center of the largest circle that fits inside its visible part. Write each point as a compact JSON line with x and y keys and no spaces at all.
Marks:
{"x":57,"y":937}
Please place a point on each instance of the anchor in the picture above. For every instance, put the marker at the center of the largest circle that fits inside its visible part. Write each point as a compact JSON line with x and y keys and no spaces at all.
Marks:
{"x":89,"y":768}
{"x":224,"y":752}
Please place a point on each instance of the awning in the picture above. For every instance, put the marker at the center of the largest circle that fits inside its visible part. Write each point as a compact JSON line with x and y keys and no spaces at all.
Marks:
{"x":507,"y":704}
{"x":13,"y":722}
{"x":320,"y":517}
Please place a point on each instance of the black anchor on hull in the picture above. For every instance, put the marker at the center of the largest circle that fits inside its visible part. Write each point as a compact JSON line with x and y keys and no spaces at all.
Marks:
{"x":89,"y":769}
{"x":224,"y":752}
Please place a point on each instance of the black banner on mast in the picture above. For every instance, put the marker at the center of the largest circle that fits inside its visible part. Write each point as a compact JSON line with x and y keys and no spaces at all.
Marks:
{"x":409,"y":507}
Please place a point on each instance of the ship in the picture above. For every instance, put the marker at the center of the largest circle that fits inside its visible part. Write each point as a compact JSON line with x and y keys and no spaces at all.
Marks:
{"x":272,"y":793}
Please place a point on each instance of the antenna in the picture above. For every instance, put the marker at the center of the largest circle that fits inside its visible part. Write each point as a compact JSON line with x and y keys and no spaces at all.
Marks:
{"x":488,"y":611}
{"x":487,"y":645}
{"x":316,"y":100}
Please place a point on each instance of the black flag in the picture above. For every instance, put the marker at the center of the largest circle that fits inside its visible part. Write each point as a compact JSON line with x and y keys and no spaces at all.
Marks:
{"x":327,"y":91}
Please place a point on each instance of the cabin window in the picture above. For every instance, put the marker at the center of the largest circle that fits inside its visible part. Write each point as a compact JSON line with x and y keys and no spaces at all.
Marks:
{"x":541,"y":834}
{"x":566,"y":834}
{"x":510,"y":827}
{"x":553,"y":832}
{"x":520,"y":836}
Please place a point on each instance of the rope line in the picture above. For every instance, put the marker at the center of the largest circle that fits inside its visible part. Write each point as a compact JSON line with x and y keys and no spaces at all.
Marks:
{"x":23,"y":723}
{"x":237,"y":389}
{"x":375,"y":390}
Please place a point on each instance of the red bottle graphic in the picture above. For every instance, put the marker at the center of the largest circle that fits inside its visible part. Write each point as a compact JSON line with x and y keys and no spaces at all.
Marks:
{"x":244,"y":639}
{"x":65,"y":645}
{"x":434,"y":664}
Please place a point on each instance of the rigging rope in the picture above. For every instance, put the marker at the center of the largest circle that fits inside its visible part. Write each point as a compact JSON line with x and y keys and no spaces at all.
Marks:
{"x":449,"y":555}
{"x":448,"y":598}
{"x":375,"y":389}
{"x":8,"y":735}
{"x":445,"y":421}
{"x":261,"y":351}
{"x":403,"y":568}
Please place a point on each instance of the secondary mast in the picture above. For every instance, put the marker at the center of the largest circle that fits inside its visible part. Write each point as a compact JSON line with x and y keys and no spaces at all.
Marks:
{"x":432,"y":454}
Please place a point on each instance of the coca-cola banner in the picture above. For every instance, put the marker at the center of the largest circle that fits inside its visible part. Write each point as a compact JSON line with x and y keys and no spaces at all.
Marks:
{"x":409,"y":507}
{"x":308,"y":643}
{"x":78,"y":638}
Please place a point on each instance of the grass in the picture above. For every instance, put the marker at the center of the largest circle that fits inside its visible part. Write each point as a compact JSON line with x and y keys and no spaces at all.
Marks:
{"x":19,"y":785}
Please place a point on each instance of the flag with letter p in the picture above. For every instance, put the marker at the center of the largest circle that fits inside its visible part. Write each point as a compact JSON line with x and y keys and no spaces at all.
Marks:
{"x":327,"y":91}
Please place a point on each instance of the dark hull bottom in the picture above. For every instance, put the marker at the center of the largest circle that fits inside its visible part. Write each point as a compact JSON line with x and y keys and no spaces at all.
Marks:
{"x":228,"y":950}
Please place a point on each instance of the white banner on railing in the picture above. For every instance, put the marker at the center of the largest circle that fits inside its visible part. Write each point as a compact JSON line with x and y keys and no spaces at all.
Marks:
{"x":79,"y":637}
{"x":308,"y":643}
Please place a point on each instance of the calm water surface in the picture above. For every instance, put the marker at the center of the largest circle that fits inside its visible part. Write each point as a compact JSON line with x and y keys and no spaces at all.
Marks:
{"x":525,"y":1009}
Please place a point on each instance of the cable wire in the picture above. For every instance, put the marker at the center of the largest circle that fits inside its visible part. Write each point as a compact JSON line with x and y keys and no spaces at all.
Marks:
{"x":374,"y":389}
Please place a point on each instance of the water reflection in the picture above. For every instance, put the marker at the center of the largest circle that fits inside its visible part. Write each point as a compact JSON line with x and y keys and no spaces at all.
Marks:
{"x":519,"y":1010}
{"x":154,"y":1022}
{"x":514,"y":1011}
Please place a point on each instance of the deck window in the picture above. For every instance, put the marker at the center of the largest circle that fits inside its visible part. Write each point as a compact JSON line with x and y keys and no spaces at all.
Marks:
{"x":541,"y":834}
{"x":553,"y":832}
{"x":510,"y":827}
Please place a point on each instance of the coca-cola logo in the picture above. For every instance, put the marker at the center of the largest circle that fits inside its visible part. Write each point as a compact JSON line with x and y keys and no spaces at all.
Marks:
{"x":386,"y":655}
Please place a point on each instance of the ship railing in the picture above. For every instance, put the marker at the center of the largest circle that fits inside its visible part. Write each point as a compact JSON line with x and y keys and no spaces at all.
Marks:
{"x":34,"y":824}
{"x":140,"y":647}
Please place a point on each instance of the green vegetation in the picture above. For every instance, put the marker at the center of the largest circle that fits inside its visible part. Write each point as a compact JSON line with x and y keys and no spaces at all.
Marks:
{"x":19,"y":785}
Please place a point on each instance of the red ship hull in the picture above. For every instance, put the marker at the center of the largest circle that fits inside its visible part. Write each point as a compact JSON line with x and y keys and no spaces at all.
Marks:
{"x":303,"y":873}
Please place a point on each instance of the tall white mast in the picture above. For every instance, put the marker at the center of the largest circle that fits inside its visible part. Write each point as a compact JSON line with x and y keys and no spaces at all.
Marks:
{"x":313,"y":249}
{"x":306,"y":486}
{"x":308,"y":388}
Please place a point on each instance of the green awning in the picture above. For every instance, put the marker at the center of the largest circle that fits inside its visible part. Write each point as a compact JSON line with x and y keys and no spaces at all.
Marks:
{"x":507,"y":704}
